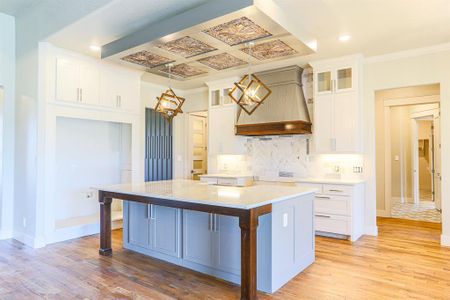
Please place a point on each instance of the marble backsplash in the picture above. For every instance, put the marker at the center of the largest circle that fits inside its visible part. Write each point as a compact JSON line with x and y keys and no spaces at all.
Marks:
{"x":267,"y":157}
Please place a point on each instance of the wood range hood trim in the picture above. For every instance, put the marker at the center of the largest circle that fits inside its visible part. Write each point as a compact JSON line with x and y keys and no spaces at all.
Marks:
{"x":274,"y":128}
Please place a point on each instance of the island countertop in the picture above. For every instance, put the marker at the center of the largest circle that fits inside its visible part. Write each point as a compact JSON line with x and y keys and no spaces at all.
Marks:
{"x":197,"y":192}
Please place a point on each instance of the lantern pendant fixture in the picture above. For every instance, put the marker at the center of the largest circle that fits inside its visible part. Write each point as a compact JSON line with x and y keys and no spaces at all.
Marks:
{"x":250,"y":92}
{"x":169,"y":104}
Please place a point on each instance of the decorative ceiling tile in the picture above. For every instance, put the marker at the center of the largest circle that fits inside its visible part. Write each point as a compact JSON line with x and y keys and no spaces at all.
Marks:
{"x":147,"y":59}
{"x":184,"y":70}
{"x":187,"y":47}
{"x":269,"y":50}
{"x":221,"y":61}
{"x":237,"y":31}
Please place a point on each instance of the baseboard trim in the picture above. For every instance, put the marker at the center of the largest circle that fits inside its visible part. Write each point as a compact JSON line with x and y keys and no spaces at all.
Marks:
{"x":29,"y":240}
{"x":6,"y":234}
{"x":75,"y":232}
{"x":445,"y":240}
{"x":383,"y":213}
{"x":371,"y":230}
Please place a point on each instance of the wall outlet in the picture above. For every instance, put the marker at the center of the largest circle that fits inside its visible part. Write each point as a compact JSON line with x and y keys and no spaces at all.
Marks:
{"x":357,"y":169}
{"x":285,"y":220}
{"x":286,"y":174}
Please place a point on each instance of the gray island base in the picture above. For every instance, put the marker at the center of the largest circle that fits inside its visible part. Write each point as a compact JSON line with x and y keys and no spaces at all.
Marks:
{"x":210,"y":242}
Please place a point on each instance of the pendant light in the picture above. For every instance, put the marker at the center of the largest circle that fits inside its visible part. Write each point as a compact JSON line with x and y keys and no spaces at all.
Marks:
{"x":169,"y":104}
{"x":250,"y":92}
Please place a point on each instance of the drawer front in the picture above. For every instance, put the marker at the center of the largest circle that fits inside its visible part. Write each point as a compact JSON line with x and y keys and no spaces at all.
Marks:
{"x":317,"y":186}
{"x":208,"y":180}
{"x":331,"y":204}
{"x":227,"y":181}
{"x":332,"y":224}
{"x":334,"y":189}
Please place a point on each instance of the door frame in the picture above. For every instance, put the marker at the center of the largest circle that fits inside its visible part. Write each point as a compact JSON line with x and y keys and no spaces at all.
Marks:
{"x":415,"y":118}
{"x":189,"y":141}
{"x":388,"y":104}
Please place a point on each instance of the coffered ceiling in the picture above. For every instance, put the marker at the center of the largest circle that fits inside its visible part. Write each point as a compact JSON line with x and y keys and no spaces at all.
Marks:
{"x":214,"y":46}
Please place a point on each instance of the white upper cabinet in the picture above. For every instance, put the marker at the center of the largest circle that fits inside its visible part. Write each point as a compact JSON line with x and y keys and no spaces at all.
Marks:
{"x":94,"y":83}
{"x":222,"y":119}
{"x":338,"y":105}
{"x":76,"y":82}
{"x":67,"y":80}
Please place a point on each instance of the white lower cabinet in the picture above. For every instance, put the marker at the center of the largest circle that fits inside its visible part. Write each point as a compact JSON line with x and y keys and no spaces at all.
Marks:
{"x":338,"y":209}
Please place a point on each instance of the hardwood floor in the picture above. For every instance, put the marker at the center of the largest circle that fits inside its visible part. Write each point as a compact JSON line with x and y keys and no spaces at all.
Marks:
{"x":404,"y":262}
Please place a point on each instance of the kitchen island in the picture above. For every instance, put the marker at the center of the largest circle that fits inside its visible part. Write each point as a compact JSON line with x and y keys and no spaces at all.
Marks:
{"x":214,"y":229}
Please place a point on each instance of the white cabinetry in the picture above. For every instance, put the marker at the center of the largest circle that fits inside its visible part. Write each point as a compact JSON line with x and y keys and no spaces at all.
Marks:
{"x":95,"y":84}
{"x":76,"y":81}
{"x":222,"y":119}
{"x":338,"y":105}
{"x":338,"y":209}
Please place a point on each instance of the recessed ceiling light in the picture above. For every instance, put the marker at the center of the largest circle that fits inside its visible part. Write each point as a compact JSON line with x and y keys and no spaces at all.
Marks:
{"x":95,"y":48}
{"x":345,"y":37}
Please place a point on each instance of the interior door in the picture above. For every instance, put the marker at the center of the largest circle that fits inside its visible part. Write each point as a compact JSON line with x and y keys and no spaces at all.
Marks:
{"x":197,"y":145}
{"x":437,"y":160}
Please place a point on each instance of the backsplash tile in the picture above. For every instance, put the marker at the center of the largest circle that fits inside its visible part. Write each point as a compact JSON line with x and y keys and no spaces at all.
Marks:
{"x":268,"y":157}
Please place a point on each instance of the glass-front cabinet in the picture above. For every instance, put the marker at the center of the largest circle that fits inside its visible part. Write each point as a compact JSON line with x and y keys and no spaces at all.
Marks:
{"x":334,"y":80}
{"x":220,"y":97}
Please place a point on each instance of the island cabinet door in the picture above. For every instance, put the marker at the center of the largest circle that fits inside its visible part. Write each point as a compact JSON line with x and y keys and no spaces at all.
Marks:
{"x":165,"y":230}
{"x":198,"y":237}
{"x":138,"y":225}
{"x":227,"y":244}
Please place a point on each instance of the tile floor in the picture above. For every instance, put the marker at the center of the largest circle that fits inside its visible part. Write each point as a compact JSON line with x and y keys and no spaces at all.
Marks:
{"x":424,"y":211}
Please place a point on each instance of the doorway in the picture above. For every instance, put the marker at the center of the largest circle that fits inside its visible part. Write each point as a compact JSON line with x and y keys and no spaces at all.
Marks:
{"x":197,"y":144}
{"x":411,"y":154}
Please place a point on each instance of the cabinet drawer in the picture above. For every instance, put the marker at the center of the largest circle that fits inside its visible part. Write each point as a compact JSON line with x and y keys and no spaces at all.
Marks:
{"x":208,"y":180}
{"x":333,"y":189}
{"x":317,"y":186}
{"x":331,"y":204}
{"x":332,"y":223}
{"x":227,"y":181}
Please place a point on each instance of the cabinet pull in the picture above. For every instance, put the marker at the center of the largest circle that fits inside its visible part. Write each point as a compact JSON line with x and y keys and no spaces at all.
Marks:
{"x":152,"y":211}
{"x":120,"y":101}
{"x":78,"y":94}
{"x":323,"y":197}
{"x":147,"y":213}
{"x":81,"y":95}
{"x":215,"y":224}
{"x":339,"y":191}
{"x":210,"y":223}
{"x":323,"y":216}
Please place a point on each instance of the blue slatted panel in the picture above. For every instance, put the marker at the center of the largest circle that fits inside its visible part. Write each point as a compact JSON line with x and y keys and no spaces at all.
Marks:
{"x":158,"y":147}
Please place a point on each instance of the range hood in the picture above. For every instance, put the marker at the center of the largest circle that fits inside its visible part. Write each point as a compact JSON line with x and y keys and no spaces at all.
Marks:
{"x":283,"y":112}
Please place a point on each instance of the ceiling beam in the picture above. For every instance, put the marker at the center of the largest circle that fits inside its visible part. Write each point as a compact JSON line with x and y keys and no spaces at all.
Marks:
{"x":197,"y":15}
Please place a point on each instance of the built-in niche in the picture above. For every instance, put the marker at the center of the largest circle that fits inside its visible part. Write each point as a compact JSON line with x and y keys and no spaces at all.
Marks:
{"x":88,"y":154}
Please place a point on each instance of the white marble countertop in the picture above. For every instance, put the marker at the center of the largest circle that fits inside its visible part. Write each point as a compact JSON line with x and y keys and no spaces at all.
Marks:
{"x":198,"y":192}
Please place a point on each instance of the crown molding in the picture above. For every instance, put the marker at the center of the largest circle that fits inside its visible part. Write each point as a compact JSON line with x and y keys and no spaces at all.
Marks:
{"x":407,"y":53}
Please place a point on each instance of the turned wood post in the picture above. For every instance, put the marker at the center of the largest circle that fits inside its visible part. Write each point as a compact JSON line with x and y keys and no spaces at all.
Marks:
{"x":249,"y":225}
{"x":105,"y":224}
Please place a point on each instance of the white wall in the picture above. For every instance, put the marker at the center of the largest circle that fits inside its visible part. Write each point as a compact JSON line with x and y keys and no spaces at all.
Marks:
{"x":401,"y":70}
{"x":88,"y":153}
{"x":7,"y":81}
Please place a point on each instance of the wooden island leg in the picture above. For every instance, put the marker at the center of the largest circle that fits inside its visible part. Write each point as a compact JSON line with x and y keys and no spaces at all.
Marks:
{"x":249,"y":226}
{"x":105,"y":224}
